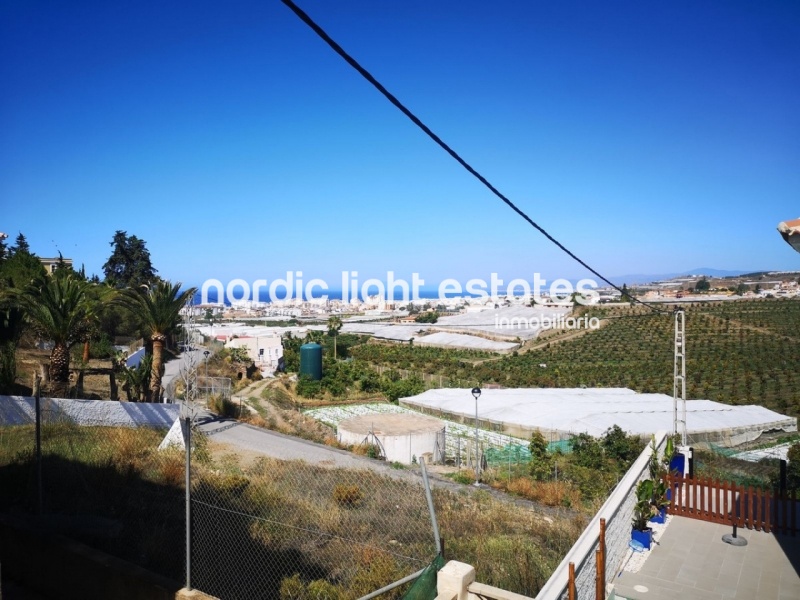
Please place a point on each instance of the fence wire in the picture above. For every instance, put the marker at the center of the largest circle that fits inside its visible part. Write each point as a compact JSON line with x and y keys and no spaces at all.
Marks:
{"x":105,"y":485}
{"x":261,"y":528}
{"x":294,"y":530}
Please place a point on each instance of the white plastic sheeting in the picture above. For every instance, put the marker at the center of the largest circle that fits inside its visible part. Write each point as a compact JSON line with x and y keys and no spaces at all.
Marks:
{"x":19,"y":410}
{"x":565,"y":412}
{"x":525,"y":322}
{"x":460,"y":340}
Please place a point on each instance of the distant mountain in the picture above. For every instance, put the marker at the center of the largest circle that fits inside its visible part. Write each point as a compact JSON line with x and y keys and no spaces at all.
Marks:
{"x":645,"y":278}
{"x":716,"y":272}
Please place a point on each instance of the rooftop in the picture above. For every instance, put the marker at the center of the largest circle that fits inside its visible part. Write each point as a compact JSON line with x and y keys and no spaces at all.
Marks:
{"x":594,"y":410}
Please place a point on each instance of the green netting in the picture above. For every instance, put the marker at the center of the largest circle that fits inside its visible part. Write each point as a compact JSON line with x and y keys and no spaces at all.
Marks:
{"x":563,"y":446}
{"x":518,"y":454}
{"x":723,"y":451}
{"x":512,"y":453}
{"x":424,"y":588}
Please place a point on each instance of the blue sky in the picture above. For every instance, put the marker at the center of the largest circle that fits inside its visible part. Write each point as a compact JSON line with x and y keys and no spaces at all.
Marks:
{"x":648,"y":137}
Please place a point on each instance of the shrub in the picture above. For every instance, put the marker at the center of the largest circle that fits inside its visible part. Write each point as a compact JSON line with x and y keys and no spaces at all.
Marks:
{"x":541,"y":464}
{"x":587,"y":452}
{"x":308,"y":388}
{"x":293,"y":588}
{"x":348,"y":496}
{"x":224,"y":407}
{"x":620,"y":446}
{"x":463,"y":477}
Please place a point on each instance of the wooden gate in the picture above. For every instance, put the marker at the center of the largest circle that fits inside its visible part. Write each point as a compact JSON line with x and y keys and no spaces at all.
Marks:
{"x":723,"y":502}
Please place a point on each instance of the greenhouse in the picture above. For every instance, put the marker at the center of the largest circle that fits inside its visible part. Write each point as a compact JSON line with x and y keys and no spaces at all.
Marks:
{"x":563,"y":413}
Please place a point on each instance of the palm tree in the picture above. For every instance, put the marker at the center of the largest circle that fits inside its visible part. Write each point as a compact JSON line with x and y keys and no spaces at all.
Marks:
{"x":61,"y":308}
{"x":334,"y":325}
{"x":157,"y":307}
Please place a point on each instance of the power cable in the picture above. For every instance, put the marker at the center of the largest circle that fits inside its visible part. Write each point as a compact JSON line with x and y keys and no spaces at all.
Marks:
{"x":389,"y":96}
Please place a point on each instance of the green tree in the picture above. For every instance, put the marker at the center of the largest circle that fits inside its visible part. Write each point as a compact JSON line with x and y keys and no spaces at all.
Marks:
{"x":307,"y":387}
{"x":11,"y":328}
{"x":18,"y":268}
{"x":370,"y":382}
{"x":403,"y":388}
{"x":427,"y":317}
{"x":703,"y":285}
{"x":588,"y":452}
{"x":135,"y":380}
{"x":20,"y":245}
{"x":620,"y":446}
{"x":626,"y":294}
{"x":541,"y":464}
{"x":741,"y":289}
{"x":62,"y":268}
{"x":334,"y":326}
{"x":129,"y":264}
{"x":157,"y":308}
{"x":60,"y":309}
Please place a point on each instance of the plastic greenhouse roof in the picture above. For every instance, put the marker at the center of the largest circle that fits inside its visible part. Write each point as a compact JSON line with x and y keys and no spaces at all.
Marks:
{"x":594,"y":410}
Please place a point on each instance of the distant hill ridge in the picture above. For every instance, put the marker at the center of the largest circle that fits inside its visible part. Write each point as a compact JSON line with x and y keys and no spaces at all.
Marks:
{"x":645,"y":278}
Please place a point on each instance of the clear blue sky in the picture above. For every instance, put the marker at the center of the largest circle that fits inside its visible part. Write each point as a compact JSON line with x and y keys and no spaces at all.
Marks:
{"x":649,"y":137}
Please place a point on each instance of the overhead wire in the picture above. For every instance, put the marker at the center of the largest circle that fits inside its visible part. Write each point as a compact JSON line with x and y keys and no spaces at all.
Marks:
{"x":400,"y":106}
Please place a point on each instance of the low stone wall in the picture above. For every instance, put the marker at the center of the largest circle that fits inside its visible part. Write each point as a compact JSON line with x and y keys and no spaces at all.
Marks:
{"x":58,"y":567}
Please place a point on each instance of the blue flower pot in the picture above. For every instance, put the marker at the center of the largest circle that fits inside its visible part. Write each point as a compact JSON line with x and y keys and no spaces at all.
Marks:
{"x":660,"y":517}
{"x":676,"y":464}
{"x":645,"y":538}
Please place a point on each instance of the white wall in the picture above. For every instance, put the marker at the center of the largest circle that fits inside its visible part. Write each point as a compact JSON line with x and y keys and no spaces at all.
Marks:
{"x":398,"y":448}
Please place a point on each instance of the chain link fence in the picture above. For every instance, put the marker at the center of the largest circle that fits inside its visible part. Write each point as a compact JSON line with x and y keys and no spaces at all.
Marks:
{"x":259,"y":527}
{"x":273,"y":528}
{"x":97,"y":482}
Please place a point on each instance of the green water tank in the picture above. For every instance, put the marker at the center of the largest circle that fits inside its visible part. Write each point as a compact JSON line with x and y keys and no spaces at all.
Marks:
{"x":311,"y":360}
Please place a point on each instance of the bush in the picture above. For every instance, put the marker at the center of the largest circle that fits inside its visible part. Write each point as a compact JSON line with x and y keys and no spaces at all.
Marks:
{"x":587,"y":452}
{"x":348,"y":496}
{"x":224,"y":407}
{"x":541,"y":464}
{"x":308,"y":388}
{"x":293,"y":588}
{"x":593,"y":484}
{"x":620,"y":446}
{"x":464,"y":477}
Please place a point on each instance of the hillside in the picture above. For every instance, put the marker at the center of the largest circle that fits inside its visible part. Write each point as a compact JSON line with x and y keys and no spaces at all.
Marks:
{"x":743,"y":352}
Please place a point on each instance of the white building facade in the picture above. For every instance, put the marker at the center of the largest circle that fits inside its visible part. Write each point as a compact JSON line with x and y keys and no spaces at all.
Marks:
{"x":265,"y":351}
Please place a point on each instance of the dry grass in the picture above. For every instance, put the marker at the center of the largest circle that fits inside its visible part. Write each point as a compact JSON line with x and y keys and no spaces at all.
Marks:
{"x":262,"y":522}
{"x":549,"y":493}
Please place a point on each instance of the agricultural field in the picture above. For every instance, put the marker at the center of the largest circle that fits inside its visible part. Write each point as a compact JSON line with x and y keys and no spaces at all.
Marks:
{"x":742,"y":352}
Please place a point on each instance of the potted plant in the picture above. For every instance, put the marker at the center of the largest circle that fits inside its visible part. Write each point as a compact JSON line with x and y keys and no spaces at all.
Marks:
{"x":673,"y":461}
{"x":642,"y":511}
{"x":659,"y":501}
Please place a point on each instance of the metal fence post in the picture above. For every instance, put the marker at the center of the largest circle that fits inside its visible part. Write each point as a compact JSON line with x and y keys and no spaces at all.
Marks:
{"x":431,"y":509}
{"x":188,"y":443}
{"x":37,"y":396}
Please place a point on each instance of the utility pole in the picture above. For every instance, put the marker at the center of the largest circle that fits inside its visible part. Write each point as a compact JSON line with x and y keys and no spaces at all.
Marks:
{"x":679,"y":376}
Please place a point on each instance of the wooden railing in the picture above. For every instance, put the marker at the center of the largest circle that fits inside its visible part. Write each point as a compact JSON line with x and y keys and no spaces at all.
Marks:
{"x":724,"y":502}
